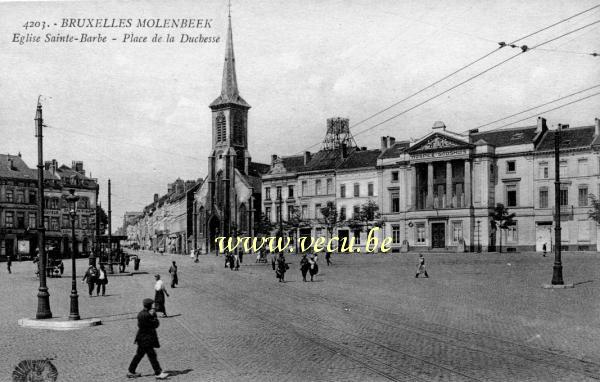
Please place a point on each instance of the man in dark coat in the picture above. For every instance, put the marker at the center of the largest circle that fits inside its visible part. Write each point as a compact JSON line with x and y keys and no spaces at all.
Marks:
{"x":9,"y":263}
{"x":91,"y":276}
{"x":146,"y":340}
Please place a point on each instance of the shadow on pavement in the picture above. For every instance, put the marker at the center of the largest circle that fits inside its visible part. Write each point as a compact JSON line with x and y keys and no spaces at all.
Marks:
{"x":583,"y":282}
{"x":177,"y":372}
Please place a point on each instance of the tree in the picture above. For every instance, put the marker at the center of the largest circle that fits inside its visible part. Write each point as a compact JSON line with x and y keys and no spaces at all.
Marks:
{"x":294,"y":223}
{"x":368,"y":217}
{"x":102,"y":218}
{"x":331,"y":219}
{"x":501,"y":219}
{"x":264,"y":226}
{"x":594,"y":213}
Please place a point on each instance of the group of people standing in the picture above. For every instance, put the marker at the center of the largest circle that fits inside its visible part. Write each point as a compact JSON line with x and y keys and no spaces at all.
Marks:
{"x":96,"y":278}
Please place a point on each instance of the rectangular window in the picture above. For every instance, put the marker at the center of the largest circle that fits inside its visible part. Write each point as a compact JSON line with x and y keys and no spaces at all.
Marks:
{"x":9,"y":219}
{"x":66,"y":223}
{"x":356,"y":189}
{"x":267,"y":193}
{"x":370,"y":189}
{"x":342,"y":190}
{"x":511,"y":195}
{"x":343,"y":213}
{"x":77,"y":225}
{"x":54,"y":226}
{"x":84,"y":222}
{"x":583,"y":230}
{"x":582,"y":167}
{"x":543,"y":170}
{"x":304,"y":212}
{"x":290,"y":212}
{"x":278,"y":212}
{"x":511,"y":166}
{"x":318,"y":187}
{"x":583,"y":196}
{"x":32,"y":197}
{"x":563,"y":168}
{"x":278,"y":192}
{"x":457,"y":233}
{"x":290,"y":191}
{"x":20,"y":219}
{"x":511,"y":234}
{"x":357,"y":236}
{"x":543,"y":197}
{"x":329,"y":186}
{"x":46,"y":223}
{"x":564,"y":197}
{"x":317,"y":211}
{"x":420,"y":233}
{"x":395,"y":176}
{"x":395,"y":234}
{"x":10,"y":196}
{"x":395,"y":202}
{"x":356,"y":212}
{"x":20,"y":196}
{"x":304,"y":188}
{"x":32,"y":220}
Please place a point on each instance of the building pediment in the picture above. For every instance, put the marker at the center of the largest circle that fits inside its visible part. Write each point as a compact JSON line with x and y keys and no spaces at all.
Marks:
{"x":437,"y":142}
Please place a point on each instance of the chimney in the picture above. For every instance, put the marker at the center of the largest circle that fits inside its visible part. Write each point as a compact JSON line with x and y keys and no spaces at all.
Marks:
{"x":597,"y":131}
{"x":541,"y":125}
{"x":306,"y":157}
{"x":384,"y":141}
{"x":11,"y":164}
{"x":392,"y":140}
{"x":273,"y":158}
{"x":155,"y":198}
{"x":47,"y":165}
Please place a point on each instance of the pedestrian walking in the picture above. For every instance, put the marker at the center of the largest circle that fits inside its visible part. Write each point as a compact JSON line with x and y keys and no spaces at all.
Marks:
{"x":173,"y":273}
{"x":102,"y":280}
{"x":544,"y":249}
{"x":8,"y":263}
{"x":328,"y":258}
{"x":235,"y":261}
{"x":146,"y":340}
{"x":196,"y":253}
{"x":282,"y":267}
{"x":273,"y":259}
{"x":421,"y":267}
{"x":91,"y":276}
{"x":304,"y":266}
{"x":159,"y":296}
{"x":313,"y":268}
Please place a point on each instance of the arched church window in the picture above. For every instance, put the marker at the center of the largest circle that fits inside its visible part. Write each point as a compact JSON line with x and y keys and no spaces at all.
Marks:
{"x":238,"y":129}
{"x":220,"y":189}
{"x":221,"y":127}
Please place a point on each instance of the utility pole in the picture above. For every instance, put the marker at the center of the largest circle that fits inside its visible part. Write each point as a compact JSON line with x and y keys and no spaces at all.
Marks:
{"x":43,"y":309}
{"x":110,"y":252}
{"x":557,"y":278}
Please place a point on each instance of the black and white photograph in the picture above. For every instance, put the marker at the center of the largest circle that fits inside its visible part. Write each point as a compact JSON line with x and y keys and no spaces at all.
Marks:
{"x":318,"y":190}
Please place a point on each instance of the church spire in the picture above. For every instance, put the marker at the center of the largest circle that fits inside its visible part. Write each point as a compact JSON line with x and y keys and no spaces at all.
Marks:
{"x":229,"y":88}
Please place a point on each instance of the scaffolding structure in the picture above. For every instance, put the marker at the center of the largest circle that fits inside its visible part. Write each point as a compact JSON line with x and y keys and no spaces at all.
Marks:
{"x":338,"y":134}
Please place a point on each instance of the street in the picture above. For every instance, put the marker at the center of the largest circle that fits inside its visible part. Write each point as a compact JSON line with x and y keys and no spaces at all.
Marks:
{"x":367,"y":318}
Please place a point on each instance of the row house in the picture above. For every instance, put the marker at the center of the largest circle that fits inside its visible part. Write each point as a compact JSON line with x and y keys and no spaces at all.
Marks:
{"x":18,"y":207}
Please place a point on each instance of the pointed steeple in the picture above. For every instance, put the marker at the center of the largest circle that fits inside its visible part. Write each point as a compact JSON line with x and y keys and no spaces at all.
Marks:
{"x":229,"y":88}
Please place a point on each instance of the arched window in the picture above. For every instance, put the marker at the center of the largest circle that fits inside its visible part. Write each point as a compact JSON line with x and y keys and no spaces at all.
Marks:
{"x":243,"y":224}
{"x":220,"y":189}
{"x":238,"y":129}
{"x":221,"y":128}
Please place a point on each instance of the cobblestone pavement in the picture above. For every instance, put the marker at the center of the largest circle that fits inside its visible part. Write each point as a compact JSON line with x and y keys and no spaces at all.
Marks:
{"x":479,"y":317}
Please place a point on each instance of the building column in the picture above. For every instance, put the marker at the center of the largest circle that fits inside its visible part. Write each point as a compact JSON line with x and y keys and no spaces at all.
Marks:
{"x":448,"y":184}
{"x":467,"y":190}
{"x":413,"y":189}
{"x":429,"y":185}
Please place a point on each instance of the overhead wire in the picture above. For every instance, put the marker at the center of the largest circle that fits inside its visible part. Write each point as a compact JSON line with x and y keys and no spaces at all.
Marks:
{"x":501,"y":45}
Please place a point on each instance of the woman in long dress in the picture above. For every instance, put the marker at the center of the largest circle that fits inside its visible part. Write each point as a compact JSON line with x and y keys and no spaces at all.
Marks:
{"x":174,"y":277}
{"x":159,"y":296}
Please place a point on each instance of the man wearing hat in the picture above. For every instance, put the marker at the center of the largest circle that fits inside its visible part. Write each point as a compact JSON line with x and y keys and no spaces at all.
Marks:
{"x":146,"y":340}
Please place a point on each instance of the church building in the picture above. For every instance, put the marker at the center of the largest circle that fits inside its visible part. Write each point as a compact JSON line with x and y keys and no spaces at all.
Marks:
{"x":228,"y":202}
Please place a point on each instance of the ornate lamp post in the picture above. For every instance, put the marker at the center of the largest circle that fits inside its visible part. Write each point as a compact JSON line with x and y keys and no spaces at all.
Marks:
{"x":72,"y":200}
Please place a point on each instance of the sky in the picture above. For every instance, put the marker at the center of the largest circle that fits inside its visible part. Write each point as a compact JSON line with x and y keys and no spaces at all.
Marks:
{"x":137,"y":113}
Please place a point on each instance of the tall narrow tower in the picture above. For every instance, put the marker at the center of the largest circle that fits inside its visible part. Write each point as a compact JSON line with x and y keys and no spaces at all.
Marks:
{"x":230,"y":114}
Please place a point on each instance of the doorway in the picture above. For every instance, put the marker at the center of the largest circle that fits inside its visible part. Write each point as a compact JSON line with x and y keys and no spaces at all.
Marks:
{"x":438,"y":235}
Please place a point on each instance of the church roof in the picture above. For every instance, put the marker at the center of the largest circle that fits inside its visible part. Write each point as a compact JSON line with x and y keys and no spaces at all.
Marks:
{"x":229,"y":88}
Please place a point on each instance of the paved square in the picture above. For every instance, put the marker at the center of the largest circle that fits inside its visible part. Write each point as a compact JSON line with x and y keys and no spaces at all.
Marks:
{"x":478,"y":317}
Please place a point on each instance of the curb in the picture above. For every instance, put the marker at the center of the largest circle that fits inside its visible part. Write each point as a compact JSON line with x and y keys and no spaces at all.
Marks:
{"x":119,"y":274}
{"x":58,"y":324}
{"x":564,"y":286}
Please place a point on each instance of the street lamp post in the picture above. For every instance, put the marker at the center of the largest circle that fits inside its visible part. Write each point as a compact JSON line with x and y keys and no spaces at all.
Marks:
{"x":43,"y":308}
{"x":478,"y":236}
{"x":557,"y":277}
{"x":72,"y":201}
{"x":280,"y":217}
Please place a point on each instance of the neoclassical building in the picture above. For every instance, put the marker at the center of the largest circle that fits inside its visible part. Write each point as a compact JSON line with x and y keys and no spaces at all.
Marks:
{"x":228,"y":202}
{"x":438,"y":192}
